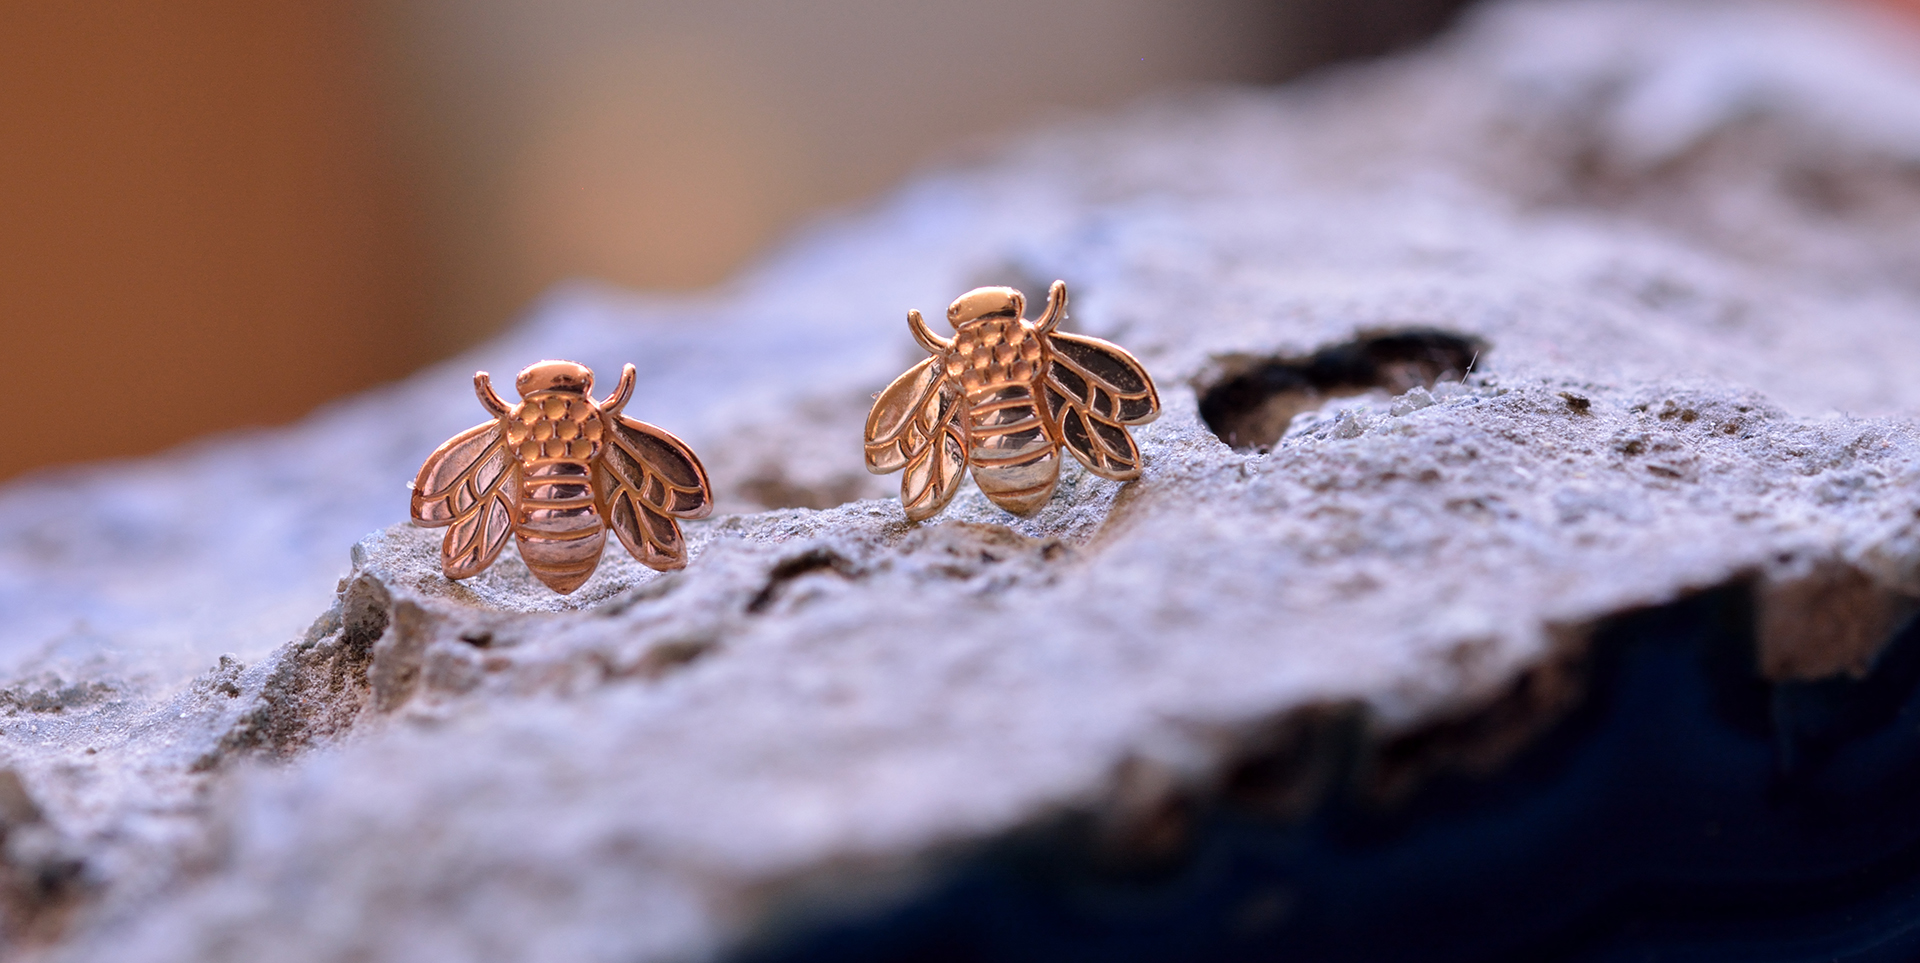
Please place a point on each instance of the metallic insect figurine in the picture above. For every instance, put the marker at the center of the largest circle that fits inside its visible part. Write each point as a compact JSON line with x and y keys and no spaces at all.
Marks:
{"x":1003,"y":396}
{"x":556,"y":471}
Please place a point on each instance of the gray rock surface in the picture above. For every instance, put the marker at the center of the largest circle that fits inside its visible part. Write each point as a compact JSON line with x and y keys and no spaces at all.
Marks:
{"x":1686,"y":238}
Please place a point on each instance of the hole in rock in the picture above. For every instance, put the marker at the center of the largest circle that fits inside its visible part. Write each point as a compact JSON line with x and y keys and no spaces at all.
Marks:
{"x":1250,"y":407}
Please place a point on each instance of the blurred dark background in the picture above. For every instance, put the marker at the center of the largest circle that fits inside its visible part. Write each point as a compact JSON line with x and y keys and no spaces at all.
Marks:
{"x":218,"y":213}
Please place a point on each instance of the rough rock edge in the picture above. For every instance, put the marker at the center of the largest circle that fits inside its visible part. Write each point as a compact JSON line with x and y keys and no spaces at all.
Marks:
{"x":401,"y":639}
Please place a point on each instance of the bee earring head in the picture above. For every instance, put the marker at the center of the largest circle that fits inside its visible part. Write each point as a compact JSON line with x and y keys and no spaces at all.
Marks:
{"x":986,"y":303}
{"x":554,"y":376}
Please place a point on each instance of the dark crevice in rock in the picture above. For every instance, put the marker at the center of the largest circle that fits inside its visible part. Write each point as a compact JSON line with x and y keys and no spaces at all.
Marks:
{"x":1285,"y":770}
{"x":788,"y":569}
{"x":659,"y":587}
{"x":394,"y":670}
{"x":660,"y":658}
{"x":1670,"y":801}
{"x":968,"y":551}
{"x":365,"y":608}
{"x":42,"y":875}
{"x":1250,"y":405}
{"x":320,"y":683}
{"x":1481,"y":741}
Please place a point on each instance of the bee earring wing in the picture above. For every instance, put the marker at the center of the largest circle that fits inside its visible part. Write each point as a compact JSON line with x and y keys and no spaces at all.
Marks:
{"x":1094,"y":390}
{"x":915,"y":425}
{"x":467,"y":484}
{"x":646,"y":478}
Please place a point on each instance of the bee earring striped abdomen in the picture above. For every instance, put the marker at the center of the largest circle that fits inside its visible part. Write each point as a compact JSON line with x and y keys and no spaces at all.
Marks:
{"x":559,"y":540}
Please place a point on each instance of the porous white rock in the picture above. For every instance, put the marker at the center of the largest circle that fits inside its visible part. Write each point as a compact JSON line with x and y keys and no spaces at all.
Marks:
{"x":1686,"y":237}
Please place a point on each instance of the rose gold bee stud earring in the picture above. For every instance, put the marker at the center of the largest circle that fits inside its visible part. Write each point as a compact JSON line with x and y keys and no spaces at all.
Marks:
{"x":556,"y":471}
{"x":1003,"y":396}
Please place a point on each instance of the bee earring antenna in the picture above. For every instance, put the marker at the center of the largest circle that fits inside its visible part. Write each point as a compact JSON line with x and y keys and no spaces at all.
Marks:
{"x":1056,"y":308}
{"x":489,"y":399}
{"x":934,"y":343}
{"x":622,"y":392}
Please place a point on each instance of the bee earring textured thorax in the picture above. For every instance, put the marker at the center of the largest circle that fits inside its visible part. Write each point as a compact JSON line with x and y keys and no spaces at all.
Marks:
{"x":1003,"y":396}
{"x":556,"y":471}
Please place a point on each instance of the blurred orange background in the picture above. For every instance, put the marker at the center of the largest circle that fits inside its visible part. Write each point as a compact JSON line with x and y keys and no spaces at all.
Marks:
{"x":220,"y":213}
{"x":200,"y":225}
